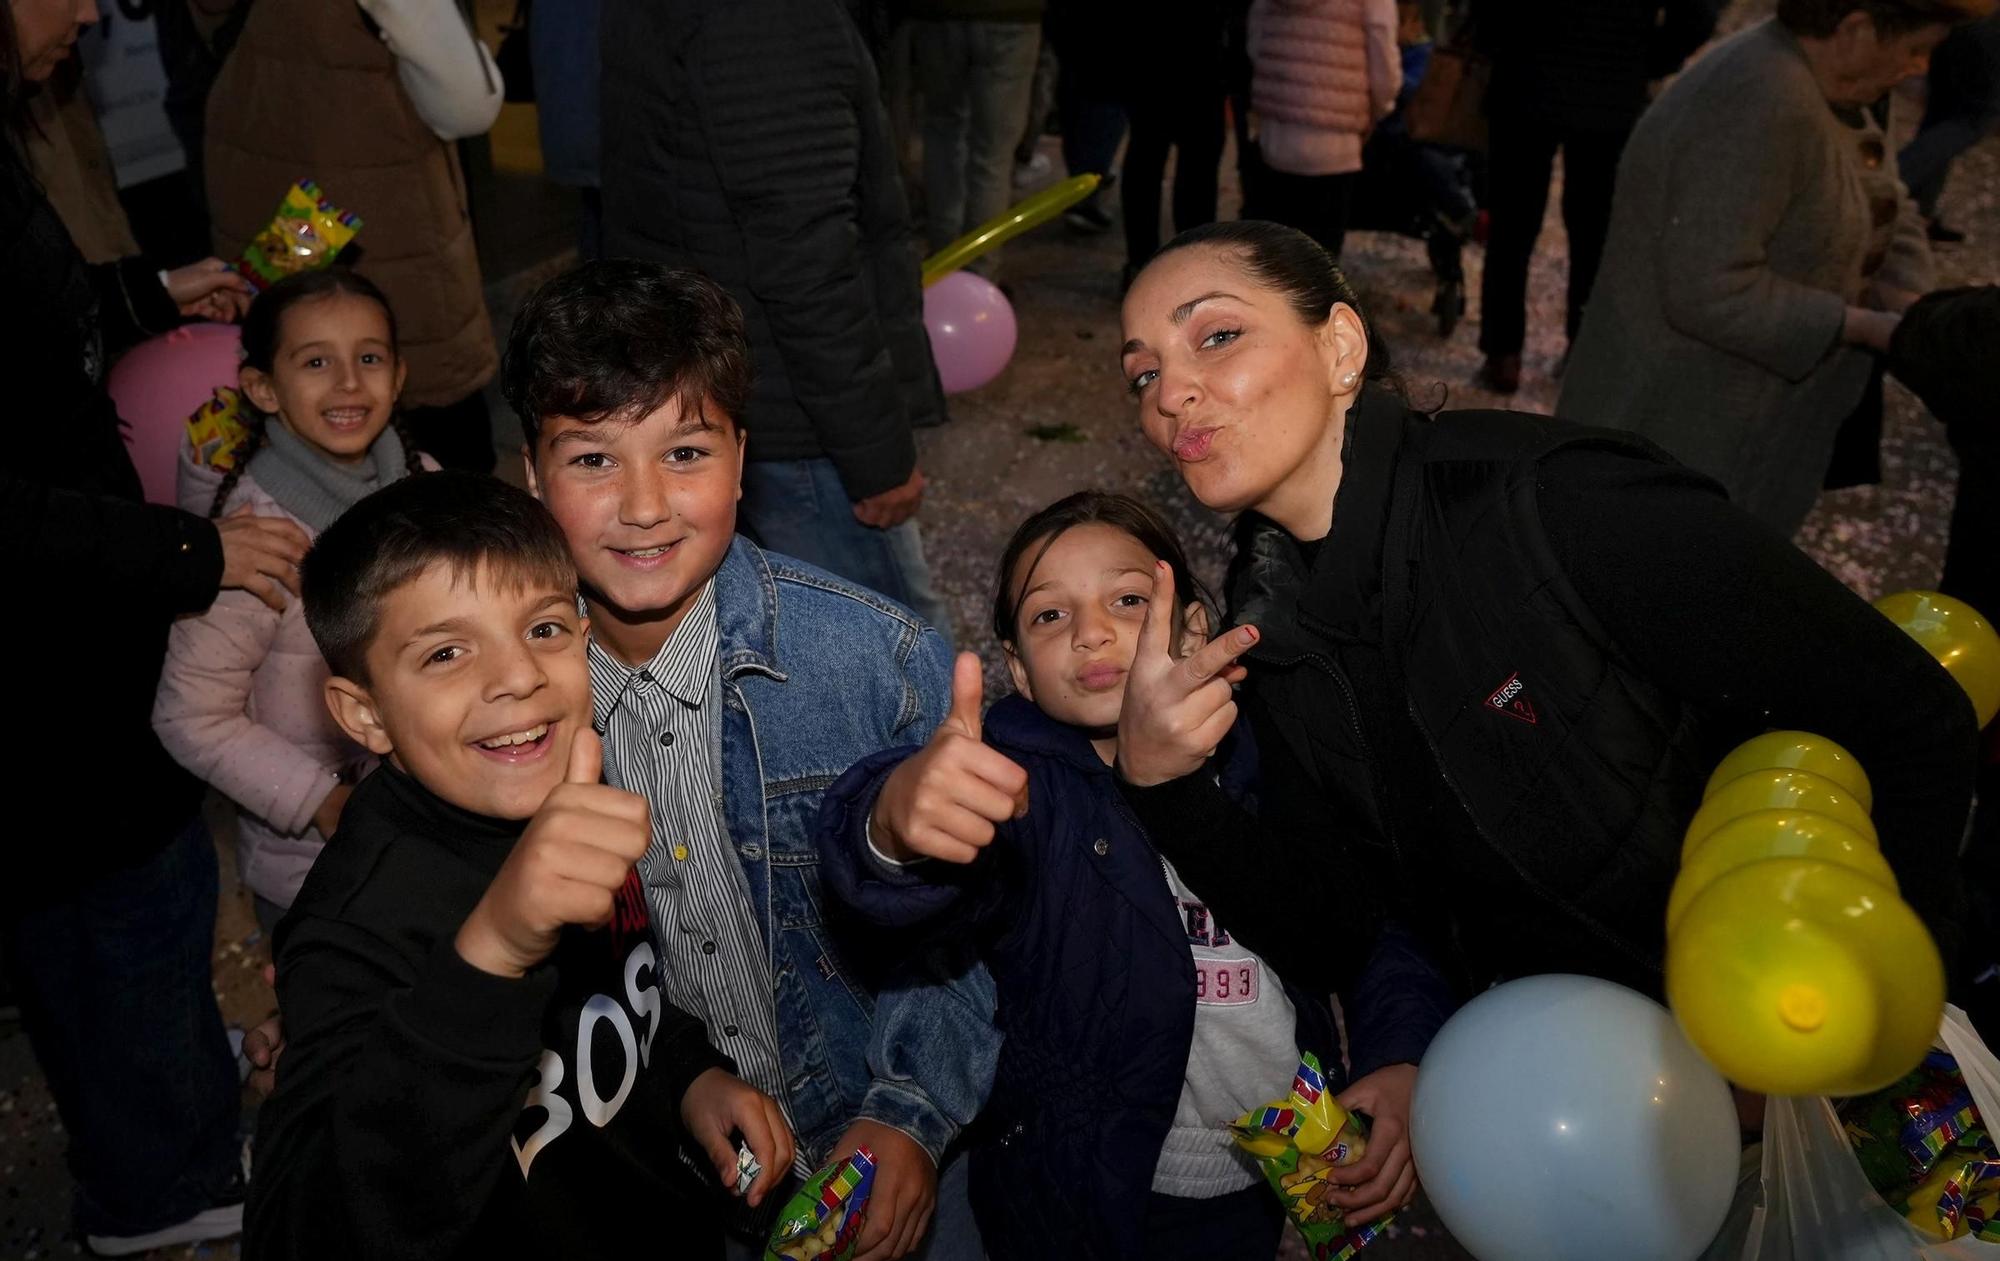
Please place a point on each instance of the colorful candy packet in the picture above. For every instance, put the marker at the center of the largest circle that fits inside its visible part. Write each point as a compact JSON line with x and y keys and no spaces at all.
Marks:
{"x":1298,"y":1141}
{"x":306,"y":233}
{"x":823,"y":1221}
{"x":1956,"y":1198}
{"x":217,"y":429}
{"x":1900,"y":1132}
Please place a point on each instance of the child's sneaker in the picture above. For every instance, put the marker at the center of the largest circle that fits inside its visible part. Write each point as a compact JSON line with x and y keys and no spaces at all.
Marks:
{"x":220,"y":1220}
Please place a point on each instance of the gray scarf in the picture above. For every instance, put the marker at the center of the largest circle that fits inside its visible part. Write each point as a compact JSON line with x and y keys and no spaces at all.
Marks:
{"x":312,"y":487}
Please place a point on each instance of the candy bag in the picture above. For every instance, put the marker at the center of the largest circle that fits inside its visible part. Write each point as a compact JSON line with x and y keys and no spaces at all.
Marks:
{"x":1964,"y":1179}
{"x":217,"y":430}
{"x":305,"y":234}
{"x":1900,"y":1131}
{"x":1296,"y":1142}
{"x":823,"y":1221}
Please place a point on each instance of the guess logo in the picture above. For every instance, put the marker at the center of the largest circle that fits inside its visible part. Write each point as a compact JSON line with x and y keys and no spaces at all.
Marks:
{"x":1510,"y":698}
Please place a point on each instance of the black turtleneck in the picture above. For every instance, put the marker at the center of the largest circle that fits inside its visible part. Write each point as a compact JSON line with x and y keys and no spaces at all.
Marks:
{"x":427,"y":1109}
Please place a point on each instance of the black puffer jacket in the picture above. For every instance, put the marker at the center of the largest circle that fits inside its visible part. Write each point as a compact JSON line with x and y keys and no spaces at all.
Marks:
{"x":97,"y":574}
{"x":745,"y":139}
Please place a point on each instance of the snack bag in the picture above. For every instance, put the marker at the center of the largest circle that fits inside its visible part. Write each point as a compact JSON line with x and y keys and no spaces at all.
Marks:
{"x":217,"y":430}
{"x":1956,"y":1198}
{"x":1899,"y":1132}
{"x":823,"y":1221}
{"x":306,"y":233}
{"x":1297,"y":1141}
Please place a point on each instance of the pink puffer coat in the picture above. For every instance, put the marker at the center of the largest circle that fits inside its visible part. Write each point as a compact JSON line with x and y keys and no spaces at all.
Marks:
{"x":241,"y":706}
{"x":1325,"y":72}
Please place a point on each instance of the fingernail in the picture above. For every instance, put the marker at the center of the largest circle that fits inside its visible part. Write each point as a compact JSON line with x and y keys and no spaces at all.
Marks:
{"x":1249,"y":634}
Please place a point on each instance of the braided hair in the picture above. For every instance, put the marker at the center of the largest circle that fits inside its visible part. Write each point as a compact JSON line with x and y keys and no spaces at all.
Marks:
{"x":263,"y":327}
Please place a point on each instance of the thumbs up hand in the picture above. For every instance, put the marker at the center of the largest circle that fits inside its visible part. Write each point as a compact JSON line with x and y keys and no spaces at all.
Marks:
{"x":945,"y":801}
{"x":566,"y":869}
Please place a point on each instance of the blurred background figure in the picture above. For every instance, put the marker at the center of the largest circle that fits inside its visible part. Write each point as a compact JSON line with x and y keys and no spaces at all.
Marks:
{"x":407,"y":78}
{"x":1961,"y":108}
{"x":1569,"y":77}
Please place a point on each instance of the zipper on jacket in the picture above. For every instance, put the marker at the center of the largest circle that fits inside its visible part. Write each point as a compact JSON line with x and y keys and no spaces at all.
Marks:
{"x":1327,"y":666}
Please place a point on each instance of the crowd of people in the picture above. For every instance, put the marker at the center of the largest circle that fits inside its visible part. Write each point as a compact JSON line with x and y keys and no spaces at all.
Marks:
{"x":634,"y":844}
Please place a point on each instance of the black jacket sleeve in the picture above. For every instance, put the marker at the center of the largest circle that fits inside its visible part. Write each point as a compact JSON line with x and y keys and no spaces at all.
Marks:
{"x":1943,"y":350}
{"x":1283,"y":895}
{"x":132,"y":304}
{"x":397,"y":1095}
{"x":109,"y":554}
{"x":1717,"y":606}
{"x":391,"y":1129}
{"x":786,"y":142}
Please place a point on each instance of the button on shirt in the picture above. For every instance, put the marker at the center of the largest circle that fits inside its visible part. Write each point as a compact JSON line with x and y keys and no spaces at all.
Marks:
{"x":662,"y":728}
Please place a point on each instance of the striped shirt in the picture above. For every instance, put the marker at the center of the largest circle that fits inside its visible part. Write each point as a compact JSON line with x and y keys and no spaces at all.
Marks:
{"x":662,"y":729}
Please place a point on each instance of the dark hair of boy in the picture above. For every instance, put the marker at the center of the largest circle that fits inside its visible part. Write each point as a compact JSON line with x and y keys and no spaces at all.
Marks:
{"x":390,"y":538}
{"x":263,"y":334}
{"x":1088,"y":507}
{"x":615,"y":339}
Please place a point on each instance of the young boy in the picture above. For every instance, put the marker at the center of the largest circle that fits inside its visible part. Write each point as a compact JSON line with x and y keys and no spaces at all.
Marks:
{"x":476,"y":930}
{"x":732,"y":686}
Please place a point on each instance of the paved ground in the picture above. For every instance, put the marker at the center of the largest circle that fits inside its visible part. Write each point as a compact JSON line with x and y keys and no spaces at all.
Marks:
{"x":1059,"y":420}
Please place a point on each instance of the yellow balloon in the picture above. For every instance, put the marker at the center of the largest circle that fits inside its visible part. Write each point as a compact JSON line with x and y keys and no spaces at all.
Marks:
{"x":1029,"y":212}
{"x":1775,"y":789}
{"x":1795,"y":750}
{"x":1796,"y":977}
{"x":1765,"y":834}
{"x":1954,"y":633}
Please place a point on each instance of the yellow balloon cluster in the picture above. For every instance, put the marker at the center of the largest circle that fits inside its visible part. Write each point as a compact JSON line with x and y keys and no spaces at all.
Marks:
{"x":1793,"y":964}
{"x":1961,"y":640}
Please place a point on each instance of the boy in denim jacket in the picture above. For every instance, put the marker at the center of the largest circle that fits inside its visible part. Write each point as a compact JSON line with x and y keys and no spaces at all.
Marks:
{"x":731,"y":686}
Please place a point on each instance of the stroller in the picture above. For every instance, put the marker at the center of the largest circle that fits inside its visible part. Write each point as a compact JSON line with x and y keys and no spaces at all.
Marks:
{"x":1421,"y":191}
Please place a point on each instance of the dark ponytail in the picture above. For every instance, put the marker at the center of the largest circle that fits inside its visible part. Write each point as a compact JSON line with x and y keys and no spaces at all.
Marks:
{"x":1289,"y":261}
{"x":263,"y":330}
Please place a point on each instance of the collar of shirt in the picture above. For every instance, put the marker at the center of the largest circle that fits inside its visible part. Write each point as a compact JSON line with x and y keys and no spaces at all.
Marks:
{"x":683,"y":666}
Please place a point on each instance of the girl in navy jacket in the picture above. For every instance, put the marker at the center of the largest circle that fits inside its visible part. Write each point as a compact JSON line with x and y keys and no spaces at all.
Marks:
{"x":1136,"y":1027}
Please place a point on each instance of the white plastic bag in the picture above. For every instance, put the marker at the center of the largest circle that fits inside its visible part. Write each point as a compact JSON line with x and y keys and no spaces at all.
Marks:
{"x":1816,"y":1204}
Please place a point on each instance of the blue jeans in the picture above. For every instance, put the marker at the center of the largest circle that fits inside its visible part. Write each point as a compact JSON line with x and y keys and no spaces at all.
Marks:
{"x":1963,"y":108}
{"x":798,"y":508}
{"x":953,"y":1234}
{"x":976,"y":78}
{"x":115,"y":991}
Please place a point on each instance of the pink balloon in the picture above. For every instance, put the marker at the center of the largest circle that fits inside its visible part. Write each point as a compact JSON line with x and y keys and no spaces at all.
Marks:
{"x":158,"y":384}
{"x":972,"y":330}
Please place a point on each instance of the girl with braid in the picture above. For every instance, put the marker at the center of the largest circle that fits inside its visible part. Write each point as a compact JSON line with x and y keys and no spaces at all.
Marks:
{"x":240,"y":697}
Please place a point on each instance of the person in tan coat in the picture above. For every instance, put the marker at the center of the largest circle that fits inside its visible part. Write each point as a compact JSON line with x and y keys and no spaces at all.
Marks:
{"x":367,"y":99}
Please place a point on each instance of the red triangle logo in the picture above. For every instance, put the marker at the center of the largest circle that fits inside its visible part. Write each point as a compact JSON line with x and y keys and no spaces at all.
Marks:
{"x":1511,"y":699}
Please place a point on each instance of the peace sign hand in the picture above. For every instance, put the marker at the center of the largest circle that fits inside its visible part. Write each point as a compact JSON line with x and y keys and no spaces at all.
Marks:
{"x":1177,"y":710}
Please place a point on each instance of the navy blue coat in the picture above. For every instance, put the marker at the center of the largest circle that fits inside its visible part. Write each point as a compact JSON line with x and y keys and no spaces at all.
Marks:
{"x":1096,"y":988}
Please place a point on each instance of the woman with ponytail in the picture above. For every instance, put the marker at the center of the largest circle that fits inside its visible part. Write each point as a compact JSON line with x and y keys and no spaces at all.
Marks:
{"x":240,"y":698}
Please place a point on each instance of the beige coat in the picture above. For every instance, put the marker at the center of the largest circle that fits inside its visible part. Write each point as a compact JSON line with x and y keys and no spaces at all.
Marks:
{"x":310,"y":93}
{"x":1748,"y":217}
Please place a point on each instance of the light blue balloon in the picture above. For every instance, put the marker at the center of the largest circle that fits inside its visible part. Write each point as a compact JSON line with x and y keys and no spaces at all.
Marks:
{"x":1564,"y":1118}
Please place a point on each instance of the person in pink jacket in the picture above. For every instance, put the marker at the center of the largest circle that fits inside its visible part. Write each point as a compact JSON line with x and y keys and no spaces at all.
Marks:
{"x":1323,"y":73}
{"x":240,"y":701}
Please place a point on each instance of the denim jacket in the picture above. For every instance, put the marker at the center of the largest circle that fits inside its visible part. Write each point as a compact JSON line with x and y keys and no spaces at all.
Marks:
{"x":817,"y":674}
